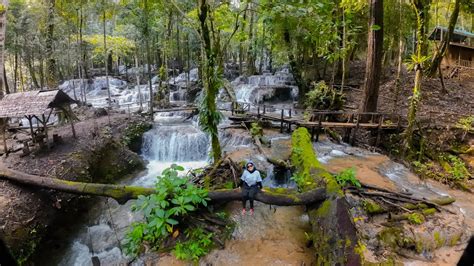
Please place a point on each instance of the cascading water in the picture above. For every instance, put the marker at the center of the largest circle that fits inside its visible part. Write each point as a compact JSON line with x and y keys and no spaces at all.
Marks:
{"x":267,"y":87}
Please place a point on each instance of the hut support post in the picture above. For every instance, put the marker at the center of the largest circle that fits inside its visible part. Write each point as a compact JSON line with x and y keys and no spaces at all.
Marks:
{"x":45,"y":126}
{"x":31,"y":128}
{"x":4,"y":129}
{"x":69,"y":115}
{"x":281,"y":125}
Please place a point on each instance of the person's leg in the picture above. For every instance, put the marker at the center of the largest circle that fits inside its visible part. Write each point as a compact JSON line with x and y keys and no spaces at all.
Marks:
{"x":252,"y":192}
{"x":245,"y":197}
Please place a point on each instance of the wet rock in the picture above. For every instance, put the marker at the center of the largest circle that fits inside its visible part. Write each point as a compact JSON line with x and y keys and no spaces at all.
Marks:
{"x":100,"y":112}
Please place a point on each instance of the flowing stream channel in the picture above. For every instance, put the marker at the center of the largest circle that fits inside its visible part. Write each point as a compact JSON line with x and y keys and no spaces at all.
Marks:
{"x":274,"y":235}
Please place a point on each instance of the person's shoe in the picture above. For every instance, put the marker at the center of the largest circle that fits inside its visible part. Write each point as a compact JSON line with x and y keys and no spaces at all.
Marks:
{"x":251,"y":212}
{"x":243,"y":211}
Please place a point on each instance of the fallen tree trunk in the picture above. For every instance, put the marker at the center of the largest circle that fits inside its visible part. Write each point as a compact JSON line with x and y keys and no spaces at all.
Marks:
{"x":122,"y":193}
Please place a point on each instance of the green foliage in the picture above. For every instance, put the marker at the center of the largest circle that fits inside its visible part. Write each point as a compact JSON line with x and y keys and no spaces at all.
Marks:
{"x":323,"y":97}
{"x":198,"y":244}
{"x":416,"y":60}
{"x":458,"y":170}
{"x":135,"y":131}
{"x":175,"y":198}
{"x":347,"y":177}
{"x":256,"y":130}
{"x":118,"y":46}
{"x":466,"y":123}
{"x":416,"y":218}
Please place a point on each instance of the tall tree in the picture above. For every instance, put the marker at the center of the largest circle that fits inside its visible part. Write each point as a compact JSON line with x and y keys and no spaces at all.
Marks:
{"x":50,"y":61}
{"x":209,"y":116}
{"x":3,"y":27}
{"x":374,"y":57}
{"x":418,"y":60}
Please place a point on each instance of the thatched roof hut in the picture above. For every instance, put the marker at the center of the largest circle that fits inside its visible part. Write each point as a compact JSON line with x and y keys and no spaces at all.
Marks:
{"x":35,"y":104}
{"x":32,"y":103}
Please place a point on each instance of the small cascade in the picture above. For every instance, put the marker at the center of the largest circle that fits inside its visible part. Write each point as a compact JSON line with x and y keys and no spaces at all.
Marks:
{"x":175,"y":143}
{"x":122,"y":95}
{"x":278,"y":87}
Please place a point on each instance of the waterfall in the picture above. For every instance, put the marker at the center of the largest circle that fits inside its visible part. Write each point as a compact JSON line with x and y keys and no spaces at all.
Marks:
{"x":267,"y":87}
{"x":175,"y":143}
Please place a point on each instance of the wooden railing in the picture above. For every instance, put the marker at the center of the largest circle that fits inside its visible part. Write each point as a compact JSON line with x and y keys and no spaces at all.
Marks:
{"x":464,"y":63}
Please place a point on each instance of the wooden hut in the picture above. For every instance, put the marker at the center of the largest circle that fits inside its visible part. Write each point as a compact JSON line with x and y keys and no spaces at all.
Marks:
{"x":38,"y":105}
{"x":460,"y":52}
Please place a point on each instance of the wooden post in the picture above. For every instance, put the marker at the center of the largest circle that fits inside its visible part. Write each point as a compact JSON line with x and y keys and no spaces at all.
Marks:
{"x":258,"y":112}
{"x":264,"y":109}
{"x":347,"y":136}
{"x":31,"y":128}
{"x":70,"y":117}
{"x":45,"y":126}
{"x":289,"y":113}
{"x":312,"y":133}
{"x":379,"y":130}
{"x":281,"y":125}
{"x":4,"y":128}
{"x":232,"y":107}
{"x":355,"y":129}
{"x":320,"y":122}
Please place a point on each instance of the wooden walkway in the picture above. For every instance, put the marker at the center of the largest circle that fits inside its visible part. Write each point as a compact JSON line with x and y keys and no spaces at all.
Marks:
{"x":350,"y":122}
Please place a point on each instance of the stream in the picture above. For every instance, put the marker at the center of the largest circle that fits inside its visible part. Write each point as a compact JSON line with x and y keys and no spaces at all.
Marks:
{"x":274,"y":235}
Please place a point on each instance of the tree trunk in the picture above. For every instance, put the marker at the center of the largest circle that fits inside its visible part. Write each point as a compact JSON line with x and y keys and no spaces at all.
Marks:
{"x":439,"y":54}
{"x":419,"y":9}
{"x":3,"y":31}
{"x":400,"y":58}
{"x":146,"y":34}
{"x":122,"y":193}
{"x":251,"y":45}
{"x":106,"y":58}
{"x":50,"y":61}
{"x":374,"y":57}
{"x":212,"y":73}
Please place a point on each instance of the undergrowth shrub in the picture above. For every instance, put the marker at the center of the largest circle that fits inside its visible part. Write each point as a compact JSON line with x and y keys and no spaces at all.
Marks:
{"x":163,"y":211}
{"x":324,"y":97}
{"x":348,"y":177}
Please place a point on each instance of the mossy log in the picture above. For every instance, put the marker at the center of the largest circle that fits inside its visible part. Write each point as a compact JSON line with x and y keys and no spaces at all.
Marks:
{"x":123,"y":193}
{"x":334,"y":234}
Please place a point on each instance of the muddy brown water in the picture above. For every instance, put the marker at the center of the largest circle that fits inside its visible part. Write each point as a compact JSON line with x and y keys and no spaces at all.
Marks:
{"x":371,"y":169}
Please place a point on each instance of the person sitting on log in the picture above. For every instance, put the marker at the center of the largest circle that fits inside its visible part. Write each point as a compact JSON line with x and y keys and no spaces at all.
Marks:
{"x":251,"y":182}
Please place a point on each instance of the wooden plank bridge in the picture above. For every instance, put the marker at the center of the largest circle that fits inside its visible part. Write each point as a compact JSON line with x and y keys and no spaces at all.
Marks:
{"x":318,"y":121}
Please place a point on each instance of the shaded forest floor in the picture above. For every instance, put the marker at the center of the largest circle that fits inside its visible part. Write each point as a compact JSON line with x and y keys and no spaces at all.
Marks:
{"x":27,"y":212}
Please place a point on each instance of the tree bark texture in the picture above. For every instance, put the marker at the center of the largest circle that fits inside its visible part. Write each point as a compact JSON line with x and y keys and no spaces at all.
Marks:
{"x":374,"y":57}
{"x":420,"y":9}
{"x":211,"y":76}
{"x":122,"y":193}
{"x":3,"y":31}
{"x":50,"y":61}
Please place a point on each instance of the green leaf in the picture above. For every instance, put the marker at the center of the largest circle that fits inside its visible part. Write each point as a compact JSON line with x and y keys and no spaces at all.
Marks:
{"x":172,"y":221}
{"x":375,"y":27}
